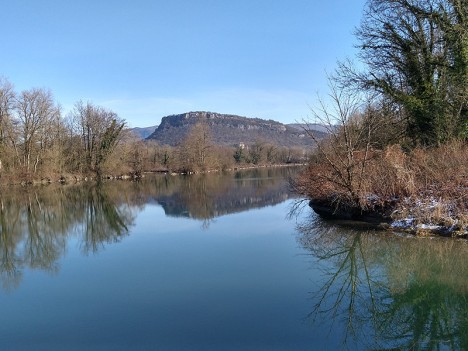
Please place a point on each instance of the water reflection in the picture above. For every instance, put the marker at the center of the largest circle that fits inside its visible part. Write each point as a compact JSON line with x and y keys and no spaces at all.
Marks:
{"x":206,"y":196}
{"x":36,"y":223}
{"x":388,"y":292}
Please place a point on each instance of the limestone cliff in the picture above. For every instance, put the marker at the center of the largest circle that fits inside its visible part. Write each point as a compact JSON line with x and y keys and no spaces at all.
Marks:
{"x":229,"y":130}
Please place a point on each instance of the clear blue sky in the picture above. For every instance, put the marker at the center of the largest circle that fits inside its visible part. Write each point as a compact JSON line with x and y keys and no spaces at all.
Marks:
{"x":146,"y":59}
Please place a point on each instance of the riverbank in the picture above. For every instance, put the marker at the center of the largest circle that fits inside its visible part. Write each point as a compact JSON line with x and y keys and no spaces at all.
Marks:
{"x":423,"y":192}
{"x":9,"y":180}
{"x":57,"y":179}
{"x":451,"y":227}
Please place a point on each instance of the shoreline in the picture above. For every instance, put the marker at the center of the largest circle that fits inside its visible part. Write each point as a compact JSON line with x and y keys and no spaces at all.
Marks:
{"x":75,"y":178}
{"x":384,"y":220}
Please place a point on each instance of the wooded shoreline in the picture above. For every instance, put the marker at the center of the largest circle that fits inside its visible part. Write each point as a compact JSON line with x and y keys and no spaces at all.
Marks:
{"x":75,"y":179}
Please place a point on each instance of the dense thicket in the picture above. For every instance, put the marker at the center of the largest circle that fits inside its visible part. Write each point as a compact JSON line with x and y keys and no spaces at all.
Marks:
{"x":415,"y":54}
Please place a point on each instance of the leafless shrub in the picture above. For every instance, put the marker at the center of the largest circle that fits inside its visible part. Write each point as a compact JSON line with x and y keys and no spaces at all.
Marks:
{"x":352,"y":171}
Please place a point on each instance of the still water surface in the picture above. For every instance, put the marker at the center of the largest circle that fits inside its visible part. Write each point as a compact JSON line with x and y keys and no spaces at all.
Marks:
{"x":214,"y":262}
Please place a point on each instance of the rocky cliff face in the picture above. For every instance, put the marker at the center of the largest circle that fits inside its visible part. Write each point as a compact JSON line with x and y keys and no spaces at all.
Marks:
{"x":229,"y":130}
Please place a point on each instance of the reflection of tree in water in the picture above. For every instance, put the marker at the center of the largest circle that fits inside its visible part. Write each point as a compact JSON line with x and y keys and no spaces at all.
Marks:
{"x":103,"y":222}
{"x":346,"y":300}
{"x":35,"y":225}
{"x":10,"y":234}
{"x":28,"y":236}
{"x":387,"y":292}
{"x":427,"y":304}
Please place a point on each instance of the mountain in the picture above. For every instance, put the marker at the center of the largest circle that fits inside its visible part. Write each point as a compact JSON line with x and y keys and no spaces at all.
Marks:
{"x":316,"y":127}
{"x":229,"y":130}
{"x":143,"y":133}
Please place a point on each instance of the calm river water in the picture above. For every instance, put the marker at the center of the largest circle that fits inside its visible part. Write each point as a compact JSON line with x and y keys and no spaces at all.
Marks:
{"x":215,"y":262}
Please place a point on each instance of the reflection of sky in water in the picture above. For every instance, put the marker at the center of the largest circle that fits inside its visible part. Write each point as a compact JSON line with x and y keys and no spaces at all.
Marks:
{"x":245,"y":280}
{"x":240,"y":284}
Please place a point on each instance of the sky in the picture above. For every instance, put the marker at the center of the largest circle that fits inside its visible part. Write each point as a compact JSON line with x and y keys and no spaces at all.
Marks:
{"x":145,"y":59}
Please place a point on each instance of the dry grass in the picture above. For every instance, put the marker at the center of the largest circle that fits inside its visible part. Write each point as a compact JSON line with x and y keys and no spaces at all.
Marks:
{"x":428,"y":185}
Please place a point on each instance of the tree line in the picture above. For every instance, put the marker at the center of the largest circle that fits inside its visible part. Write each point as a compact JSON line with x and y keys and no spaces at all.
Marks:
{"x":197,"y":152}
{"x":39,"y":142}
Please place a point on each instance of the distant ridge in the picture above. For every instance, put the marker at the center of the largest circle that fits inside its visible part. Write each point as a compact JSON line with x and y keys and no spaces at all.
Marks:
{"x":315,"y":127}
{"x":143,"y":133}
{"x":229,"y":130}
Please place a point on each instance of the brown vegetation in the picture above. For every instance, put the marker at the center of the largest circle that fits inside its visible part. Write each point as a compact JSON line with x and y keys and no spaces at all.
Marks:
{"x":366,"y":171}
{"x":397,"y":150}
{"x":39,"y":145}
{"x":197,"y":152}
{"x":428,"y":185}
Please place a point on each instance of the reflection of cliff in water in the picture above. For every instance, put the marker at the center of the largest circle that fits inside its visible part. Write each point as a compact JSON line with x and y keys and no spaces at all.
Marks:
{"x":207,"y":196}
{"x":36,"y":223}
{"x":388,"y":292}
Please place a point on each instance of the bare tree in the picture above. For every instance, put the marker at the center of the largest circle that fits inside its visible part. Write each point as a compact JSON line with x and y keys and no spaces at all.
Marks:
{"x":35,"y":110}
{"x":99,"y":130}
{"x":195,"y":152}
{"x":257,"y":151}
{"x":336,"y":172}
{"x":7,"y":97}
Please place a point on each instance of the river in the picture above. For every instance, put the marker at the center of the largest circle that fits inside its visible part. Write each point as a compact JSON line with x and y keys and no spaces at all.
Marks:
{"x":216,"y":262}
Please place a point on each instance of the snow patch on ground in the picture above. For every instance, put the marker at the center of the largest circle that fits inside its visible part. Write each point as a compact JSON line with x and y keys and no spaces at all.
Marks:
{"x":419,"y":214}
